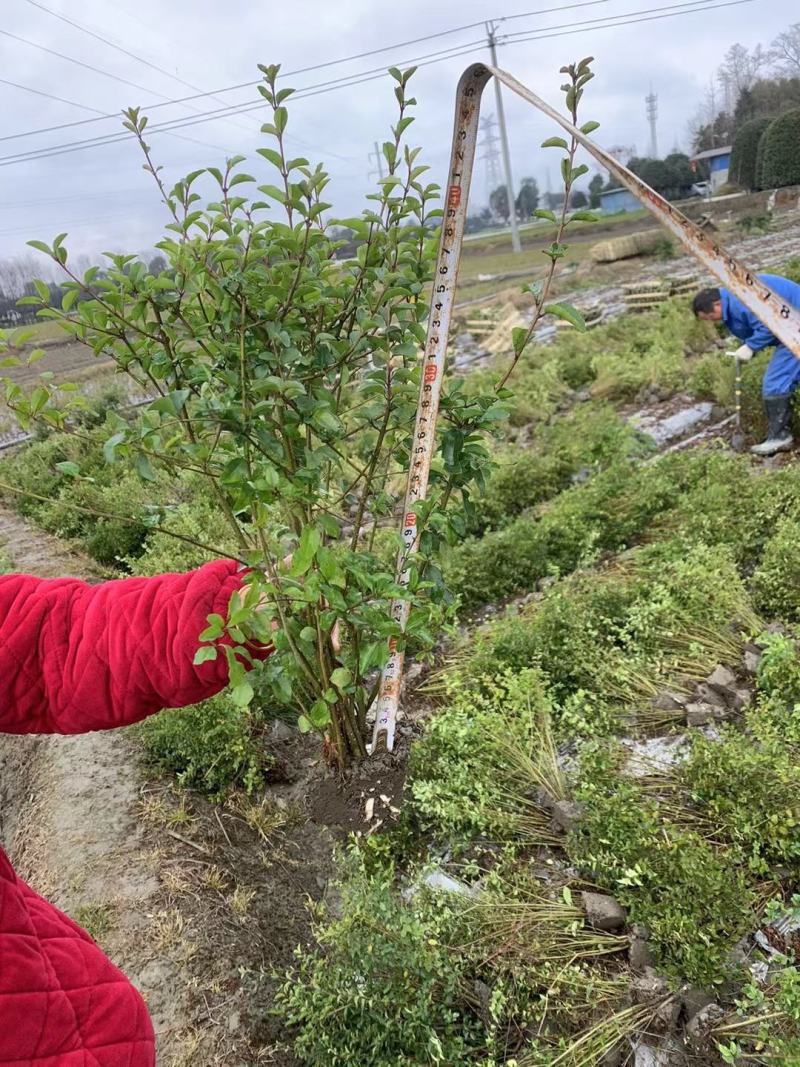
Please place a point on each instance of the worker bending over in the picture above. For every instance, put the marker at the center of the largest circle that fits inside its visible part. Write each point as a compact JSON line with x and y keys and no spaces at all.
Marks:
{"x":783,"y":373}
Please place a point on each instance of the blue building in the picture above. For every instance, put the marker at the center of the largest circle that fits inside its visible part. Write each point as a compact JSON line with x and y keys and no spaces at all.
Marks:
{"x":718,"y":161}
{"x":613,"y":201}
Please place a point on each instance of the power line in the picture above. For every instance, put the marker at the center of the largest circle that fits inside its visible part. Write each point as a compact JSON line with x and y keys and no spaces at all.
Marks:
{"x":117,"y":47}
{"x":352,"y":80}
{"x":49,"y":96}
{"x":80,"y":63}
{"x":317,"y":66}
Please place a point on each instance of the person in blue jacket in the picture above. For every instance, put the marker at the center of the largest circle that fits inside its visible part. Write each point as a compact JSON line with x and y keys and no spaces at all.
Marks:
{"x":782,"y":375}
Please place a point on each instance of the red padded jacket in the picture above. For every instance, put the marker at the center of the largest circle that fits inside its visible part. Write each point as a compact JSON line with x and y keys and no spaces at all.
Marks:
{"x":75,"y":658}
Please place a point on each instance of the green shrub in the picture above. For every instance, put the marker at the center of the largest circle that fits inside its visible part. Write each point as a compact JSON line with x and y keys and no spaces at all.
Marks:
{"x":604,"y":639}
{"x":198,"y":519}
{"x":745,"y":152}
{"x":791,"y":269}
{"x":694,"y":899}
{"x":587,"y":440}
{"x":775,"y":718}
{"x":712,"y":378}
{"x":108,"y":540}
{"x":781,"y":151}
{"x":776,"y":581}
{"x":386,"y":985}
{"x":209,"y":746}
{"x":751,"y":795}
{"x":458,"y":774}
{"x":607,"y":514}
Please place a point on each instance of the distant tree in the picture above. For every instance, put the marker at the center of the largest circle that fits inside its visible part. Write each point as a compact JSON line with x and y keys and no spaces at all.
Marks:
{"x":781,"y":151}
{"x":553,"y":201}
{"x":498,"y":202}
{"x":785,"y":51}
{"x":578,"y":199}
{"x":767,"y":98}
{"x":595,"y":189}
{"x":157,"y":265}
{"x":527,"y":198}
{"x":741,"y":68}
{"x":680,"y":176}
{"x":745,"y":152}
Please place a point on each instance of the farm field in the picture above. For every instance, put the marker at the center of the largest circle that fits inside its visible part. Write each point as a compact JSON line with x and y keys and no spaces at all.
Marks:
{"x":582,"y":849}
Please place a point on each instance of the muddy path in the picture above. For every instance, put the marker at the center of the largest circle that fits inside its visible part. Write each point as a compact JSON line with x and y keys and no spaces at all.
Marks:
{"x":201,"y":904}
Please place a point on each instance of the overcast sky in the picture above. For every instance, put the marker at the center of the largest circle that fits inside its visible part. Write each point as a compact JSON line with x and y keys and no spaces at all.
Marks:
{"x":101,"y":196}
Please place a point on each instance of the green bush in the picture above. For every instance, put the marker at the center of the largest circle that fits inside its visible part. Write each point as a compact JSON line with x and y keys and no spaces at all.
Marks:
{"x":775,"y":719}
{"x":587,"y":440}
{"x":607,"y":514}
{"x":386,"y":986}
{"x":209,"y":746}
{"x":693,"y":898}
{"x":776,"y":581}
{"x":458,"y":774}
{"x":604,"y":639}
{"x":781,"y":151}
{"x":745,"y":152}
{"x":751,"y":795}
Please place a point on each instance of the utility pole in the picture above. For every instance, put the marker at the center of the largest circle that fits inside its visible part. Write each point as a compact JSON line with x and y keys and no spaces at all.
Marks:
{"x":378,"y":156}
{"x":501,"y":118}
{"x":652,"y":114}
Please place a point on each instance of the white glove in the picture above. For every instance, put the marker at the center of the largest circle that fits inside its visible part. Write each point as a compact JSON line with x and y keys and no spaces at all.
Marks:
{"x":742,"y":354}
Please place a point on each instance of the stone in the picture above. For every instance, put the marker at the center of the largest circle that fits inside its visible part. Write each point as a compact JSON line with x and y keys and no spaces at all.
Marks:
{"x":648,"y":986}
{"x":700,"y":714}
{"x":640,"y":957}
{"x":722,"y":679}
{"x":566,"y":813}
{"x":751,"y":660}
{"x":669,"y":701}
{"x":281,"y":731}
{"x":702,"y":1022}
{"x":603,"y":912}
{"x":693,"y":1000}
{"x":483,"y":997}
{"x":704,"y":694}
{"x":640,"y":931}
{"x":615,"y":1058}
{"x":740,"y":698}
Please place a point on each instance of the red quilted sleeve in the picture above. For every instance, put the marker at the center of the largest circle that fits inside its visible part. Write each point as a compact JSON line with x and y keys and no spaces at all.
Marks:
{"x":75,"y":657}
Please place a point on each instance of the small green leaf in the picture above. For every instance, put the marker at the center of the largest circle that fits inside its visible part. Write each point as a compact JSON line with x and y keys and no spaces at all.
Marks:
{"x":110,"y":447}
{"x":568,"y":313}
{"x":555,"y":142}
{"x":583,"y":216}
{"x":588,"y":127}
{"x":242,"y":694}
{"x":543,"y":213}
{"x":69,"y":468}
{"x":215,"y":629}
{"x":310,"y":541}
{"x":519,"y":337}
{"x":205,"y":654}
{"x":341,"y":677}
{"x":304,"y":725}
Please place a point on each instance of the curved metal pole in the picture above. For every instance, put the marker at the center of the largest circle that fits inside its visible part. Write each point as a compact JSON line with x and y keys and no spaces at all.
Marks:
{"x":778,"y":316}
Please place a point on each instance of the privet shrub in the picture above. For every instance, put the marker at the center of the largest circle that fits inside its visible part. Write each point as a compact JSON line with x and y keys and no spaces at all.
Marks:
{"x":210,"y":746}
{"x":386,"y":985}
{"x":781,"y":151}
{"x":694,"y":898}
{"x":458,"y":778}
{"x":745,"y":152}
{"x":776,"y":580}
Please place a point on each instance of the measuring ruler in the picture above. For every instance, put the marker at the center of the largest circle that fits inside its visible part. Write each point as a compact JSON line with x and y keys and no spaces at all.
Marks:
{"x":770,"y":308}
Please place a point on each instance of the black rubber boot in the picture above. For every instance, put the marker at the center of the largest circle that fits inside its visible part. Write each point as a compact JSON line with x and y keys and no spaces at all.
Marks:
{"x":779,"y":415}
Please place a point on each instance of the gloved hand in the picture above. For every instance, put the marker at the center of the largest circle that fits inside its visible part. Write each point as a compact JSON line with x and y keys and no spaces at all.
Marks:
{"x":743,"y":353}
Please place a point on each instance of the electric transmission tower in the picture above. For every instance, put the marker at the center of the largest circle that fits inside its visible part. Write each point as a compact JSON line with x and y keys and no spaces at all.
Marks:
{"x":652,"y":114}
{"x":490,"y":152}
